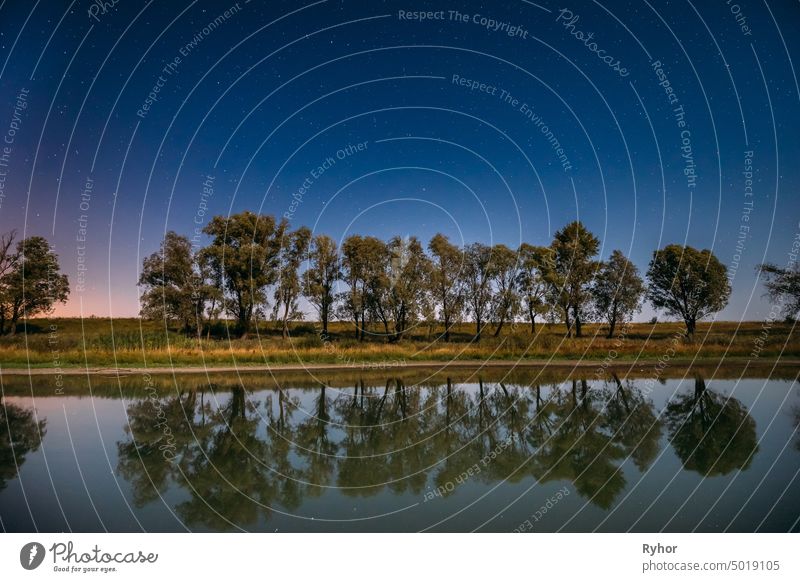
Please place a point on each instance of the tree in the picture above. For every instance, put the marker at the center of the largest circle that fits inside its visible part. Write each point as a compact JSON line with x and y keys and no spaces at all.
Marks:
{"x":293,"y":250}
{"x":409,"y":275}
{"x":244,"y":256}
{"x":571,"y":273}
{"x":531,"y":280}
{"x":321,"y":276}
{"x":445,"y":280}
{"x":783,"y":286}
{"x":505,"y":303}
{"x":687,"y":283}
{"x":32,"y":283}
{"x":363,"y":262}
{"x":7,"y":262}
{"x":478,"y":282}
{"x":175,"y":289}
{"x":617,"y":291}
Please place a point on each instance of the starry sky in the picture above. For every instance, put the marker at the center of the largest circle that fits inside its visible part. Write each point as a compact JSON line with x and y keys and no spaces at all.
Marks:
{"x":652,"y":122}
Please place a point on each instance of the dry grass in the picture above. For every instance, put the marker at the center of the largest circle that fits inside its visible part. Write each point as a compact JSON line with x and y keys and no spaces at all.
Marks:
{"x":98,"y":342}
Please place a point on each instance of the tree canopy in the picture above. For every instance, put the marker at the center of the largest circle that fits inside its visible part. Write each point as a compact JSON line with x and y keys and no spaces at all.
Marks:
{"x":687,"y":283}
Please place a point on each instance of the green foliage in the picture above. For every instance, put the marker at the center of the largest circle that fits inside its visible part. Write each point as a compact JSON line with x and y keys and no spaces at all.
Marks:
{"x":783,"y":287}
{"x":176,"y":288}
{"x":618,"y":290}
{"x":446,"y":283}
{"x":478,"y":276}
{"x":244,"y":256}
{"x":532,"y":282}
{"x":505,"y":300}
{"x":319,"y":280}
{"x":687,"y":283}
{"x":571,"y":271}
{"x":293,"y":250}
{"x":30,"y":280}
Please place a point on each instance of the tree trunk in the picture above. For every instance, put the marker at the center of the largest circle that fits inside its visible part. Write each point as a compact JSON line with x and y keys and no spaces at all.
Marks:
{"x":568,"y":322}
{"x":499,"y":327}
{"x":578,"y":332}
{"x":478,"y":328}
{"x":285,"y":331}
{"x":532,"y":315}
{"x":611,"y":325}
{"x":14,"y":319}
{"x":690,"y":328}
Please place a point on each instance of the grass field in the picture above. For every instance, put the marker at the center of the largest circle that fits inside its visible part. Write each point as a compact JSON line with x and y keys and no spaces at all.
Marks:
{"x":99,"y":342}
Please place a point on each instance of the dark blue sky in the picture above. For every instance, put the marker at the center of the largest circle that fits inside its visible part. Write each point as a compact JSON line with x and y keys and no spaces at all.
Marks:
{"x":259,"y":97}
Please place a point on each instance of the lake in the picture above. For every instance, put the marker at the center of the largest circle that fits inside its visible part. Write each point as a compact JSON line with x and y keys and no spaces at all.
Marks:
{"x":416,"y":450}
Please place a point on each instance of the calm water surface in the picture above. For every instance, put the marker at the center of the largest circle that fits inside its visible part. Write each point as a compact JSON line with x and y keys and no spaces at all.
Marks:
{"x":389,"y":454}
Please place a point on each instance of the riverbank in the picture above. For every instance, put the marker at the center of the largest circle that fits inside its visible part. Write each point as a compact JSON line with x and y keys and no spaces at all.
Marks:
{"x":102,"y":346}
{"x":620,"y":366}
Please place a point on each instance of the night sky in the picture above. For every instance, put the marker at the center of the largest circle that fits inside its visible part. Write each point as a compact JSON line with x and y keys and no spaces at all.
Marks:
{"x":496,"y":122}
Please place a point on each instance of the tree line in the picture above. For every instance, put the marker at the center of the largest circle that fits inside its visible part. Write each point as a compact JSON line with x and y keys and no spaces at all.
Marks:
{"x":257,"y":268}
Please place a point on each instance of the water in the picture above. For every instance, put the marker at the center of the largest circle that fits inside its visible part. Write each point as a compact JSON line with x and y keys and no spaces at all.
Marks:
{"x":383,"y":453}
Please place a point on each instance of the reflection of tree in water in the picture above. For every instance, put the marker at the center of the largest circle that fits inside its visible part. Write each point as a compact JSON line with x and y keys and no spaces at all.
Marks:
{"x":711,"y":433}
{"x":796,"y":418}
{"x":20,"y":434}
{"x":582,"y":450}
{"x":142,"y":461}
{"x":633,"y":422}
{"x":236,"y":464}
{"x":384,"y":438}
{"x":225,"y":470}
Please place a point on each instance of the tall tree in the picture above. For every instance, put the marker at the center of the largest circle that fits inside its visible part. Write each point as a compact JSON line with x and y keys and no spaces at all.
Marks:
{"x":531,"y":280}
{"x":175,"y":289}
{"x":321,"y":276}
{"x":409,"y":272}
{"x":574,"y":248}
{"x":293,"y":251}
{"x":617,"y":291}
{"x":445,"y":281}
{"x":32,"y":283}
{"x":378,"y":260}
{"x":687,"y":283}
{"x":363,"y":266}
{"x":505,"y":300}
{"x":783,"y":286}
{"x":244,"y":254}
{"x":478,"y":283}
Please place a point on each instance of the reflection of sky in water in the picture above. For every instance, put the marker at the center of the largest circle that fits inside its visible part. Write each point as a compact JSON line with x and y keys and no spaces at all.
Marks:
{"x":371,"y":459}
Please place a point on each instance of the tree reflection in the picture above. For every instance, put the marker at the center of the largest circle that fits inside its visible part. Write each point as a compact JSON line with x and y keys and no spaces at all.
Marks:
{"x":144,"y":456}
{"x":20,"y":434}
{"x":711,"y":433}
{"x":580,"y":450}
{"x":239,"y":459}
